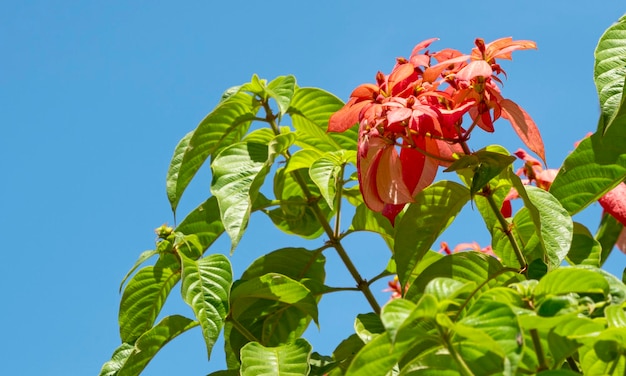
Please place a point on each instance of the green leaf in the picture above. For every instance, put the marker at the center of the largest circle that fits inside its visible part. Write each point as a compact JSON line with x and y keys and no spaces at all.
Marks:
{"x":281,"y":89}
{"x":486,"y":271}
{"x":368,"y":326}
{"x":367,"y":220}
{"x":556,"y":226}
{"x":605,"y":354}
{"x":286,"y":360}
{"x":145,"y":255}
{"x":274,"y":287}
{"x":615,"y":316}
{"x":119,"y":357}
{"x":485,"y":165}
{"x":238,"y":173}
{"x":607,"y":234}
{"x":144,"y":297}
{"x":609,"y":72}
{"x":424,"y":220}
{"x":223,"y":126}
{"x":326,"y":172}
{"x":310,"y":110}
{"x":394,"y":314}
{"x":205,"y":286}
{"x":303,"y":158}
{"x":572,"y":279}
{"x":595,"y":167}
{"x":295,"y":214}
{"x":585,"y":249}
{"x":152,"y":341}
{"x":204,"y":222}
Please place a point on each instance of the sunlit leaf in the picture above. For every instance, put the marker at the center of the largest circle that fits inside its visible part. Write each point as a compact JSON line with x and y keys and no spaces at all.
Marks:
{"x":310,"y":110}
{"x":205,"y":287}
{"x":609,"y":72}
{"x":595,"y":167}
{"x":425,"y":219}
{"x":585,"y":249}
{"x":144,"y":297}
{"x":281,"y":89}
{"x":204,"y":222}
{"x":368,"y":220}
{"x":143,"y":257}
{"x":286,"y":360}
{"x":152,"y":341}
{"x":368,"y":326}
{"x":119,"y":357}
{"x":238,"y":173}
{"x":223,"y":126}
{"x":566,"y":280}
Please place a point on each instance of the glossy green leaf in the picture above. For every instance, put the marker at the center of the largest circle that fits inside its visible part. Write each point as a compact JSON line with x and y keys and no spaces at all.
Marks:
{"x":377,"y":357}
{"x":303,"y":159}
{"x":296,"y":214}
{"x":238,"y":173}
{"x":143,"y":257}
{"x":273,"y":287}
{"x":144,"y":297}
{"x":524,"y":232}
{"x":205,"y":288}
{"x":585,"y":249}
{"x":152,"y":341}
{"x":616,"y":316}
{"x":595,"y":167}
{"x":367,"y":220}
{"x":567,"y":280}
{"x":556,"y":225}
{"x":486,"y":271}
{"x":394,"y":314}
{"x":368,"y":326}
{"x":609,"y":72}
{"x":484,"y":165}
{"x":286,"y":360}
{"x":296,"y":263}
{"x":281,"y":89}
{"x":119,"y":357}
{"x":310,"y":110}
{"x":325,"y":172}
{"x":204,"y":222}
{"x":607,"y":235}
{"x":424,"y":220}
{"x":223,"y":126}
{"x":605,"y":354}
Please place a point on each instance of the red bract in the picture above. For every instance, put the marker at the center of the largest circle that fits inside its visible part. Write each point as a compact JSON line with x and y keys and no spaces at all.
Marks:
{"x":410,"y":121}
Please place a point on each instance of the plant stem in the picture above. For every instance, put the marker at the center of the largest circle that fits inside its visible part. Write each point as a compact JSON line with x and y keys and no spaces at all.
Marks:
{"x":507,"y":231}
{"x":463,"y":367}
{"x":245,"y":332}
{"x":334,"y":235}
{"x":541,"y":358}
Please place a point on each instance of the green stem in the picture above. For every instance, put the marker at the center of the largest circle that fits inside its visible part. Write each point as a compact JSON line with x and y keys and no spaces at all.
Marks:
{"x":245,"y":332}
{"x":504,"y":224}
{"x":463,"y":367}
{"x":334,"y":235}
{"x":541,"y":358}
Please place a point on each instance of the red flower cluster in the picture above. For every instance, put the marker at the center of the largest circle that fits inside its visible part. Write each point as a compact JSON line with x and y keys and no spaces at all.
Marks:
{"x":410,"y":120}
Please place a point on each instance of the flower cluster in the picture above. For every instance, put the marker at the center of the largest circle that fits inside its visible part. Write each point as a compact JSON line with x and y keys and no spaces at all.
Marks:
{"x":410,"y":121}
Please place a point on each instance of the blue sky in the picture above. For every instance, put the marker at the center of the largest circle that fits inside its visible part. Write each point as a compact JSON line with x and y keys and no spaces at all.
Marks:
{"x":95,"y":95}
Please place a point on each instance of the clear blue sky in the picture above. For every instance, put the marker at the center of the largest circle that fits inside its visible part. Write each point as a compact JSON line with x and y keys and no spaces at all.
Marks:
{"x":95,"y":95}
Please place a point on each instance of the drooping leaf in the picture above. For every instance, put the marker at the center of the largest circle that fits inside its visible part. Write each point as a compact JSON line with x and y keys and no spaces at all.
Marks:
{"x":223,"y":126}
{"x":556,"y":225}
{"x":238,"y":173}
{"x":310,"y":110}
{"x":607,"y":235}
{"x":585,"y":249}
{"x":286,"y":360}
{"x":119,"y":357}
{"x":144,"y":297}
{"x":609,"y":72}
{"x":425,"y":219}
{"x":484,"y":164}
{"x":143,"y":257}
{"x":205,"y":288}
{"x":595,"y":167}
{"x":152,"y":341}
{"x":368,"y":326}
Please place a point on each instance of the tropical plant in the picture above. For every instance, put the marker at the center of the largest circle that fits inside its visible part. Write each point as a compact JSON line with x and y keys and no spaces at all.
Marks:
{"x":536,"y":301}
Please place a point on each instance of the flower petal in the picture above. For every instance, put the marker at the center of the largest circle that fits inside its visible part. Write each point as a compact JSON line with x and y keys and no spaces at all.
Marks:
{"x":614,"y":202}
{"x":347,"y":116}
{"x":524,"y":126}
{"x":476,"y":68}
